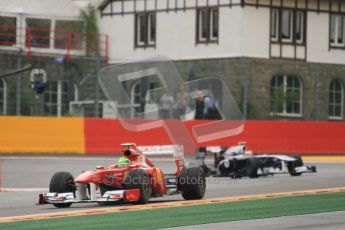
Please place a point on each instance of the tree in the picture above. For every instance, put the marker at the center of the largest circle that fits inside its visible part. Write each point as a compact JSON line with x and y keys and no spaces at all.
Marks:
{"x":88,"y":15}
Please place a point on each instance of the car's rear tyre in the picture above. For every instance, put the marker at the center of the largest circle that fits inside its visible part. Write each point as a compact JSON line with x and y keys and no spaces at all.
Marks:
{"x":192,"y":183}
{"x":252,"y":166}
{"x":293,"y":164}
{"x":62,"y":182}
{"x":139,"y":179}
{"x":224,"y":171}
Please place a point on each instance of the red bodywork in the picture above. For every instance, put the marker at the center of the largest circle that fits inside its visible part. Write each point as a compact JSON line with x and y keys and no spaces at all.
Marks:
{"x":115,"y":176}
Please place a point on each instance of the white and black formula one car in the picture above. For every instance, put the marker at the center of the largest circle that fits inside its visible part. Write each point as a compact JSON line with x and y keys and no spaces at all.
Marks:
{"x":237,"y":162}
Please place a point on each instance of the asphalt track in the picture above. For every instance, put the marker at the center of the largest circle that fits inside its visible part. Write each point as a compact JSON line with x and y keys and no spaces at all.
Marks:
{"x":24,"y":177}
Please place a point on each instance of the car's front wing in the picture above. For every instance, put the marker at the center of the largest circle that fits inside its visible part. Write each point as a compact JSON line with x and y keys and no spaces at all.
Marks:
{"x":108,"y":196}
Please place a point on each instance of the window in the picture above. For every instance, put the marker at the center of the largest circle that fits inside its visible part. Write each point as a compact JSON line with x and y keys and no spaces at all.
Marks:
{"x":38,"y":32}
{"x":214,"y":24}
{"x":64,"y":97}
{"x":145,"y":29}
{"x":62,"y":29}
{"x":286,"y":96}
{"x":287,"y":26}
{"x":299,"y":26}
{"x":2,"y":96}
{"x":337,"y":31}
{"x":336,"y":95}
{"x":56,"y":98}
{"x":292,"y":95}
{"x":274,"y":25}
{"x":137,"y":94}
{"x":51,"y":98}
{"x":207,"y":25}
{"x":152,"y":29}
{"x":7,"y":31}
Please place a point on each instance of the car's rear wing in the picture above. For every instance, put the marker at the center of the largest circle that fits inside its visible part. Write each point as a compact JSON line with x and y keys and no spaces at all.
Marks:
{"x":210,"y":150}
{"x":163,"y":150}
{"x":220,"y":150}
{"x":215,"y":149}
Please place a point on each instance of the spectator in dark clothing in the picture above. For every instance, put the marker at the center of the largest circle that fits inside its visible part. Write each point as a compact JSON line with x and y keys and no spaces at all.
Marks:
{"x":205,"y":107}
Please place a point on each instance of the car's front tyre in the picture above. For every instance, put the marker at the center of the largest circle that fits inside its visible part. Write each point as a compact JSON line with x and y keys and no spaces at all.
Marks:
{"x":291,"y":165}
{"x":62,"y":182}
{"x":139,"y":179}
{"x":192,"y":183}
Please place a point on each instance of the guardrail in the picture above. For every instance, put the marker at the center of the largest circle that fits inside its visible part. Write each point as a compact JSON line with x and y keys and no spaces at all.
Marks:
{"x":57,"y":41}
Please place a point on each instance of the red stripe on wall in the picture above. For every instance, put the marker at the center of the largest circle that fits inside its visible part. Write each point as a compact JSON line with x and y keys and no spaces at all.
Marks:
{"x":291,"y":137}
{"x":103,"y":136}
{"x":106,"y":135}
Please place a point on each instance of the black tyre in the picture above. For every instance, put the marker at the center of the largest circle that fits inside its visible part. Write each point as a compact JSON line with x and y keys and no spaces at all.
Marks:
{"x":223,"y":171}
{"x":62,"y":182}
{"x":139,"y":179}
{"x":252,"y":166}
{"x":192,"y":183}
{"x":293,"y":164}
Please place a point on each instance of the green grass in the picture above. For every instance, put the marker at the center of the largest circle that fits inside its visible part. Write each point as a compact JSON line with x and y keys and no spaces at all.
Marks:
{"x":190,"y":215}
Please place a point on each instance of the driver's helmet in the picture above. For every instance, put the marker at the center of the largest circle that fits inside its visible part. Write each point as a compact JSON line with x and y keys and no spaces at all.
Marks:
{"x":123,"y":162}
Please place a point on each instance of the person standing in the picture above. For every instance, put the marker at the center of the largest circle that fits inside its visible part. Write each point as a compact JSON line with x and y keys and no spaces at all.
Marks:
{"x":167,"y":102}
{"x":205,"y":107}
{"x":182,"y":100}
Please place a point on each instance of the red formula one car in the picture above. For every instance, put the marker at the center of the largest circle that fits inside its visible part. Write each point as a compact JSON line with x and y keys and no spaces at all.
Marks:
{"x":136,"y":182}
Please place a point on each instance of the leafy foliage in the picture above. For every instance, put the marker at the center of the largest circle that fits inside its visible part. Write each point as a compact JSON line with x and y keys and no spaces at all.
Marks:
{"x":88,"y":15}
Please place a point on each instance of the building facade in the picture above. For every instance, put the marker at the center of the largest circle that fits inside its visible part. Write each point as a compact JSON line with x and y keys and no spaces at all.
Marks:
{"x":280,"y":59}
